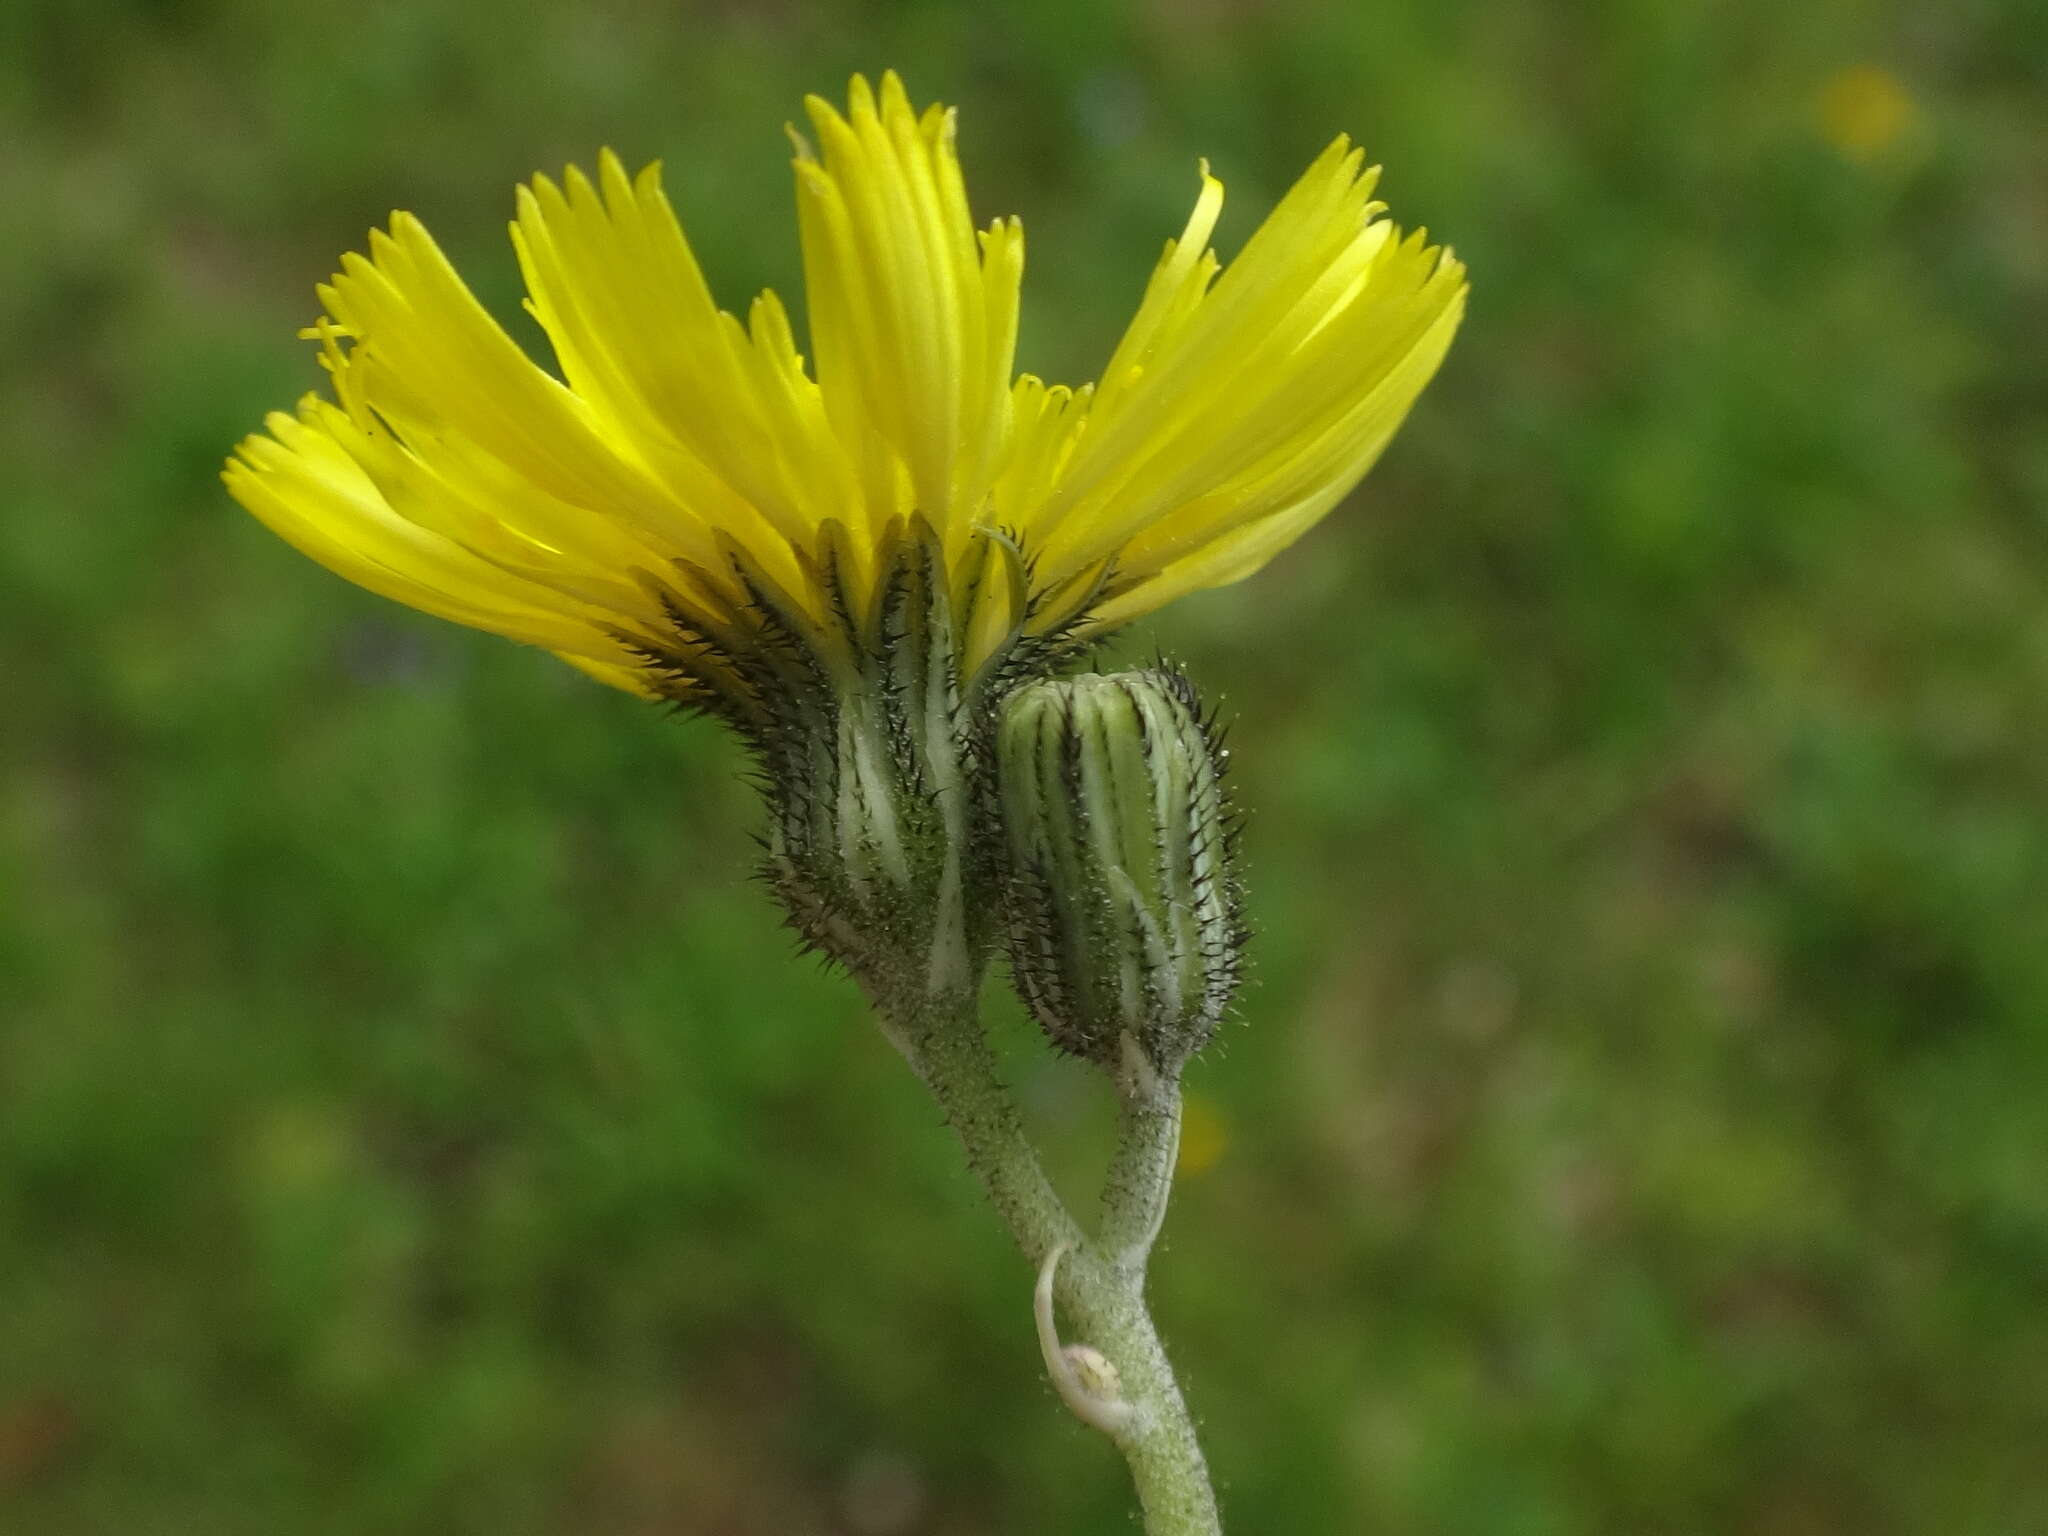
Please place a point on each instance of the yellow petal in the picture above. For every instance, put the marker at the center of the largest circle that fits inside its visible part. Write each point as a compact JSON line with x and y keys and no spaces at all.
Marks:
{"x":687,"y":464}
{"x":913,"y":320}
{"x":673,"y":378}
{"x":302,"y":484}
{"x":1245,"y":402}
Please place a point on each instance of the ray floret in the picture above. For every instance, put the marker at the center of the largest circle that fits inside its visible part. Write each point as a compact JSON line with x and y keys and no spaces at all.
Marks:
{"x":678,"y":463}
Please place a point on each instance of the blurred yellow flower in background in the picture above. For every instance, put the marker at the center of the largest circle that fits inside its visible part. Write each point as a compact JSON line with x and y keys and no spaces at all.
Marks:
{"x":1204,"y":1135}
{"x":685,"y":464}
{"x":1864,"y":110}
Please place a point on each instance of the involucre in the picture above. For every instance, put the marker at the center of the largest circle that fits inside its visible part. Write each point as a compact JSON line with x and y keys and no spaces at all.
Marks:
{"x":1121,"y":903}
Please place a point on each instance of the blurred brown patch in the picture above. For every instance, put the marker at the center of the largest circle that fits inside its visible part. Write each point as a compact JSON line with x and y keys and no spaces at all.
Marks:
{"x":36,"y":1433}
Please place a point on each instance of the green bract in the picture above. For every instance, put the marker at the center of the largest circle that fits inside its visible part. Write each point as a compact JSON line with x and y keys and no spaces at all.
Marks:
{"x":1120,"y":902}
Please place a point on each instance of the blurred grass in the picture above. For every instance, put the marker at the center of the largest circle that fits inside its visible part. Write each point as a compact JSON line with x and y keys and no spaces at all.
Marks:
{"x":410,"y":1121}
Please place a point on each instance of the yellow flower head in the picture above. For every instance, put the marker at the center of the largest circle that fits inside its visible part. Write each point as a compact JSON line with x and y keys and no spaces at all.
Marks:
{"x":1864,"y":111}
{"x":687,"y":483}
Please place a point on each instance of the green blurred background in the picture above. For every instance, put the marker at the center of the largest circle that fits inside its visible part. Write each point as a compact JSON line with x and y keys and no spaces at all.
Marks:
{"x":411,"y":1120}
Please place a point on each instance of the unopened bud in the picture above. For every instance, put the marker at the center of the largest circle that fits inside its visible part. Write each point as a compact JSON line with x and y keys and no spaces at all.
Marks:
{"x":1121,"y":904}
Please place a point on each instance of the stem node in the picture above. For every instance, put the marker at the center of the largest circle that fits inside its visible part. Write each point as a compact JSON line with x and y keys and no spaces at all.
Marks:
{"x":1087,"y":1380}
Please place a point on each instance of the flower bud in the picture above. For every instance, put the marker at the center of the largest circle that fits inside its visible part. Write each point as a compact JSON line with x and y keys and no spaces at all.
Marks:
{"x":1120,"y":901}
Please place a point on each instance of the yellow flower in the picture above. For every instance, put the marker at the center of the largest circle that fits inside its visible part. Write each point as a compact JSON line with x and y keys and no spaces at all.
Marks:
{"x":687,"y":473}
{"x":1864,"y":110}
{"x":1204,"y":1136}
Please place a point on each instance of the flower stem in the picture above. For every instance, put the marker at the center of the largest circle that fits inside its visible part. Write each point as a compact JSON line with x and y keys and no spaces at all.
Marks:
{"x":1140,"y":1180}
{"x":1102,"y":1291}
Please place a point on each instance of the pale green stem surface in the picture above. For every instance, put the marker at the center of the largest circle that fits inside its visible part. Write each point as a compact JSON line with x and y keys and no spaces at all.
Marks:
{"x":1140,"y":1180}
{"x":1102,"y":1287}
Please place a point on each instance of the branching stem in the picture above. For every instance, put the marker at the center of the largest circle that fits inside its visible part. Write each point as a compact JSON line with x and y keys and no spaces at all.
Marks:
{"x":1101,"y":1286}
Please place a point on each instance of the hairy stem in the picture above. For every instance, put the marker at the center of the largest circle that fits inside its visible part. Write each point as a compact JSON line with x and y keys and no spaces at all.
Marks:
{"x":1101,"y":1288}
{"x":1140,"y":1180}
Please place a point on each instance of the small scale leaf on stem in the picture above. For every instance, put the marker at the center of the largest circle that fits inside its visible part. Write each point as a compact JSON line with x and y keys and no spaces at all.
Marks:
{"x":1087,"y":1380}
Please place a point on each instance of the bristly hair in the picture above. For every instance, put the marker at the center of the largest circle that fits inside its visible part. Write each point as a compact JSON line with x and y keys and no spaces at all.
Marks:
{"x":1073,"y":918}
{"x":878,"y":687}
